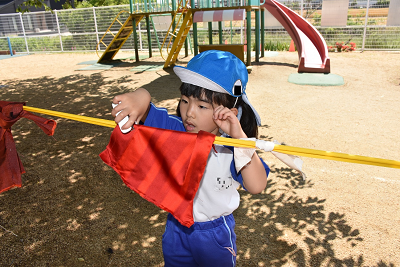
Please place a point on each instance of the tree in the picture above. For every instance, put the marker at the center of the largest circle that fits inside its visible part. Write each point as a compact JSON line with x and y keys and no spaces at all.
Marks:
{"x":353,"y":3}
{"x":24,"y":7}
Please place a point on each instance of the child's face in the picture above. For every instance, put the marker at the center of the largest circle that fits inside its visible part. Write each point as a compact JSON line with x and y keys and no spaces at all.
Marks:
{"x":197,"y":114}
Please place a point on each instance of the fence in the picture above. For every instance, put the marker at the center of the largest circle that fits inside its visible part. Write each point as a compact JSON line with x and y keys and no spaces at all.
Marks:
{"x":78,"y":30}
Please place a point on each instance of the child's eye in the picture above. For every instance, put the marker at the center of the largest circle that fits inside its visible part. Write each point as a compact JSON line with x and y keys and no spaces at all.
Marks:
{"x":184,"y":101}
{"x":202,"y":107}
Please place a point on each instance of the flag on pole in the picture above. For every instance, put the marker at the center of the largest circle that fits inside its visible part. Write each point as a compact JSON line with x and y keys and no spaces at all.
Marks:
{"x":10,"y":165}
{"x":163,"y":166}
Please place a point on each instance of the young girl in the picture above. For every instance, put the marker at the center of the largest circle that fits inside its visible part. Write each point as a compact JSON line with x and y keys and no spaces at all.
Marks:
{"x":213,"y":99}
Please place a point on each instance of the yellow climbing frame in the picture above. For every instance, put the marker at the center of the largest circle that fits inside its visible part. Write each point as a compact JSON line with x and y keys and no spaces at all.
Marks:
{"x":176,"y":36}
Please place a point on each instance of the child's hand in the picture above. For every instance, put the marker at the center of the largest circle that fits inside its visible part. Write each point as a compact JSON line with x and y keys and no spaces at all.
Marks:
{"x":226,"y":120}
{"x":134,"y":104}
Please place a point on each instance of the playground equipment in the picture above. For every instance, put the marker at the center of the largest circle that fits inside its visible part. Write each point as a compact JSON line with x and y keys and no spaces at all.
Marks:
{"x":176,"y":38}
{"x":311,"y":46}
{"x":119,"y":39}
{"x":312,"y":49}
{"x":182,"y":20}
{"x":222,"y":15}
{"x":9,"y":46}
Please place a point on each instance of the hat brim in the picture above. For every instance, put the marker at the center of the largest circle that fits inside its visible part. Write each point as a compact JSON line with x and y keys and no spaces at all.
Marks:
{"x":190,"y":77}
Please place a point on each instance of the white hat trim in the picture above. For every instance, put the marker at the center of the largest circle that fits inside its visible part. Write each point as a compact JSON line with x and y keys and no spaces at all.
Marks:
{"x":188,"y":76}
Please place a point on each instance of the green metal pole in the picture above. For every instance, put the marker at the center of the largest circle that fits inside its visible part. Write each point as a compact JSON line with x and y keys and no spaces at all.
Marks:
{"x":135,"y":39}
{"x":148,"y":34}
{"x":131,"y":6}
{"x":186,"y":41}
{"x":155,"y":33}
{"x":210,"y":41}
{"x":262,"y":32}
{"x":220,"y":31}
{"x":173,"y":5}
{"x":231,"y":32}
{"x":210,"y":27}
{"x":257,"y":30}
{"x":248,"y":32}
{"x":173,"y":15}
{"x":219,"y":27}
{"x":195,"y":41}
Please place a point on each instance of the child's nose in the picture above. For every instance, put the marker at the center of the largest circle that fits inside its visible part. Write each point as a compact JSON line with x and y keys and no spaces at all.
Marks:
{"x":190,"y":111}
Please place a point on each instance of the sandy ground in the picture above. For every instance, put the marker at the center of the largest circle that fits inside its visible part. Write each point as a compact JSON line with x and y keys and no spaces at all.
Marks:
{"x":73,"y":210}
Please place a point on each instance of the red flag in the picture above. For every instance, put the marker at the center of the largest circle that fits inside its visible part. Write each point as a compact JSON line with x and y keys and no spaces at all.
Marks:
{"x":163,"y":166}
{"x":10,"y":165}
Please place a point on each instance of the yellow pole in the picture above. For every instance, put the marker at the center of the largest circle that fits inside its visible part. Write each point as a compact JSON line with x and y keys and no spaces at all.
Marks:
{"x":304,"y":152}
{"x":80,"y":118}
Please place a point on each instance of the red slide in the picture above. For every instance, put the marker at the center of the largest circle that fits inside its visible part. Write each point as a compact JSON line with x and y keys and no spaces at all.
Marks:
{"x":311,"y":46}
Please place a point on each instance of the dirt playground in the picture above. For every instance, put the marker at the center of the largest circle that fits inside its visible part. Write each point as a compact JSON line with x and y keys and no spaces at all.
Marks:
{"x":73,"y":210}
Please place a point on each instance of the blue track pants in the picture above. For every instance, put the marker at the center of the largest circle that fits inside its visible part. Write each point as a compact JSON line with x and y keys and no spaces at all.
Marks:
{"x":205,"y":244}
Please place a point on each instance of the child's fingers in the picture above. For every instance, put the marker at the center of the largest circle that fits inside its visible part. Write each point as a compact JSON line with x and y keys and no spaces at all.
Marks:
{"x":128,"y":124}
{"x":225,"y":114}
{"x":216,"y":113}
{"x":120,"y":111}
{"x":118,"y":99}
{"x":220,"y":113}
{"x":115,"y":110}
{"x":130,"y":120}
{"x":119,"y":114}
{"x":117,"y":104}
{"x":133,"y":116}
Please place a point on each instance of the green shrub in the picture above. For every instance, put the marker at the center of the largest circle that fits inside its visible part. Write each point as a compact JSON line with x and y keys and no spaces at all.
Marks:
{"x":277,"y":46}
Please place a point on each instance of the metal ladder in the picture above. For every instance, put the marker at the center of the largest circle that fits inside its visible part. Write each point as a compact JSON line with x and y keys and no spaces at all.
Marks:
{"x":178,"y":36}
{"x":118,"y":39}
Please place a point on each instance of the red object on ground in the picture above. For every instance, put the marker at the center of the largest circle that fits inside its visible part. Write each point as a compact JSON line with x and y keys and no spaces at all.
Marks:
{"x":10,"y":165}
{"x":311,"y":46}
{"x":291,"y":47}
{"x":163,"y":166}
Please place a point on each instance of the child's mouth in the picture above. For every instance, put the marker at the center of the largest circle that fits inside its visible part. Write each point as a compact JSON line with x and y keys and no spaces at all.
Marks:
{"x":189,"y":127}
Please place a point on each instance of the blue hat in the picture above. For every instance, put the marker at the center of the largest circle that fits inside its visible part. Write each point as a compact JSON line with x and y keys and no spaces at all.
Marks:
{"x":217,"y":71}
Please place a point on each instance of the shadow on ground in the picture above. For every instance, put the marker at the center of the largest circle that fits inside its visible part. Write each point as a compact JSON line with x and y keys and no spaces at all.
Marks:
{"x":74,"y":210}
{"x":272,"y":63}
